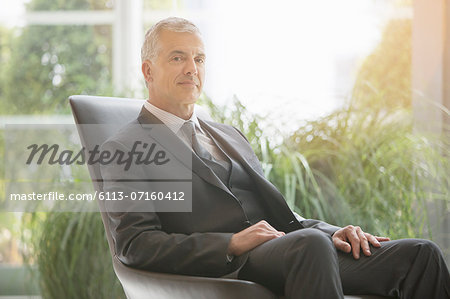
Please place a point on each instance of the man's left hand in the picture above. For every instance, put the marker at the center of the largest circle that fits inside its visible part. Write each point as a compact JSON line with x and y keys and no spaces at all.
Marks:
{"x":353,"y":239}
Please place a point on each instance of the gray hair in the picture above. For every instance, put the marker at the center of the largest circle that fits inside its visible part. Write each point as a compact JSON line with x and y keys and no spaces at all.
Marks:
{"x":150,"y":48}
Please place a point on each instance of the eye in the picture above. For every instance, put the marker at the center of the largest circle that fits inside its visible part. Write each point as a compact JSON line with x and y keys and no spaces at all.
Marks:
{"x":200,"y":60}
{"x":177,"y":58}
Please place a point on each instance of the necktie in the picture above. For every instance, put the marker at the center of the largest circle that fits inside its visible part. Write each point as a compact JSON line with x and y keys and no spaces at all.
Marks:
{"x":188,"y":130}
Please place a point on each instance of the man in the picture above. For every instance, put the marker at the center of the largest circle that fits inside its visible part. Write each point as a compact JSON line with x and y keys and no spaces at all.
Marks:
{"x":240,"y":224}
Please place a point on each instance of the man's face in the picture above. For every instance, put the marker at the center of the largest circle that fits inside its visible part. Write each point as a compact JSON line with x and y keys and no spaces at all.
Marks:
{"x":177,"y":73}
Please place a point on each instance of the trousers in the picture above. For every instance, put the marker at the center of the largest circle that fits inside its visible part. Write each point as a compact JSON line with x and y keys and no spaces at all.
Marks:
{"x":305,"y":264}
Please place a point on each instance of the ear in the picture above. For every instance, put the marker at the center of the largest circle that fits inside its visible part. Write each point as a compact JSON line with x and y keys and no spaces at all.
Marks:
{"x":147,"y":70}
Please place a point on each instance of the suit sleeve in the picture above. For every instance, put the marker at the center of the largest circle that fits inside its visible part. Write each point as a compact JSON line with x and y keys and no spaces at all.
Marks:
{"x":141,"y":242}
{"x":317,"y":224}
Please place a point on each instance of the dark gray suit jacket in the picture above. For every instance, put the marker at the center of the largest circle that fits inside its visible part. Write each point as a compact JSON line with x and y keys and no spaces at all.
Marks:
{"x":192,"y":243}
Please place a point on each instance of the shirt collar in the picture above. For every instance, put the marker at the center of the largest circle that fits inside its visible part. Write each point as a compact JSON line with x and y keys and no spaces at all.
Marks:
{"x":172,"y":121}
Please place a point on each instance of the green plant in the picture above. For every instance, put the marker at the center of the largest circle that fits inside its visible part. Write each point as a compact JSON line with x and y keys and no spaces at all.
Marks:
{"x":41,"y":66}
{"x":361,"y":166}
{"x":366,"y":167}
{"x":237,"y":115}
{"x":72,"y":255}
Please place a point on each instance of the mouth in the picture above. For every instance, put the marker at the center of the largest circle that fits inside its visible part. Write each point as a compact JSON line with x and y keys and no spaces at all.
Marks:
{"x":188,"y":83}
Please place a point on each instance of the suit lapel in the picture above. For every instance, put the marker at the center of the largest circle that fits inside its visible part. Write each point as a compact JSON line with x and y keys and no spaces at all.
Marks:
{"x":167,"y":139}
{"x":229,"y":145}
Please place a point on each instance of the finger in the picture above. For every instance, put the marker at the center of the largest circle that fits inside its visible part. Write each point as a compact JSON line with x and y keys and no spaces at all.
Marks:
{"x":373,"y":240}
{"x":263,"y":231}
{"x":264,"y":237}
{"x":269,"y":228}
{"x":261,"y":227}
{"x":382,"y":239}
{"x":352,"y":236}
{"x":266,"y":225}
{"x":364,"y":243}
{"x":342,"y":245}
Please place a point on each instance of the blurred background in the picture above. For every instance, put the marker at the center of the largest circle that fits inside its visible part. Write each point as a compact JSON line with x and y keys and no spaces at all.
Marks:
{"x":346,"y":103}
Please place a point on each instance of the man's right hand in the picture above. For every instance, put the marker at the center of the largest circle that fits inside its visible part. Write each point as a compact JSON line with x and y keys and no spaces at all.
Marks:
{"x":251,"y":237}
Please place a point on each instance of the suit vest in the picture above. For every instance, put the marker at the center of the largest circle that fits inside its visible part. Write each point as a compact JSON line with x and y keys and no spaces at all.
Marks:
{"x":234,"y":176}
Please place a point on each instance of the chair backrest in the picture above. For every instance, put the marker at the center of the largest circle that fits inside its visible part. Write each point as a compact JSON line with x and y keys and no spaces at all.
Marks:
{"x":114,"y":112}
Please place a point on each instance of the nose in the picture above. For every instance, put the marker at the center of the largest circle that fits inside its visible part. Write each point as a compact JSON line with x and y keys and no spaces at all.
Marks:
{"x":190,"y":68}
